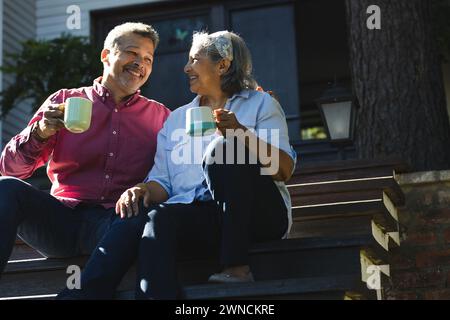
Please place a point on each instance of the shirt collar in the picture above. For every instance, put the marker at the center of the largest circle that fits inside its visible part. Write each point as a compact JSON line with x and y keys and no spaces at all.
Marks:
{"x":196,"y":100}
{"x":243,"y":94}
{"x":104,"y":92}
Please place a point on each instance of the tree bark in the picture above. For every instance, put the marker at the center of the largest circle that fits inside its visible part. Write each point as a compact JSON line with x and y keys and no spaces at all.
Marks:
{"x":397,"y":79}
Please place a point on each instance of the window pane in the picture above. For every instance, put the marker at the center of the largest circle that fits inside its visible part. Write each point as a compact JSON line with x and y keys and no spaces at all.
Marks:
{"x":270,"y":35}
{"x":176,"y":34}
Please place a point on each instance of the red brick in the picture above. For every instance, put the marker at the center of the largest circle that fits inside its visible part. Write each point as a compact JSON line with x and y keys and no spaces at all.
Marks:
{"x":402,"y":261}
{"x":444,"y":197}
{"x":431,"y":218}
{"x":442,"y":294}
{"x":433,"y":258}
{"x":420,"y":238}
{"x":447,"y":235}
{"x":421,"y":199}
{"x":402,"y":295}
{"x":437,"y":216}
{"x":407,"y":217}
{"x":410,"y":280}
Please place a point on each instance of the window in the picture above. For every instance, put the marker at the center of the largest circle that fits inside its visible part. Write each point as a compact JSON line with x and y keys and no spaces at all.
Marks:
{"x":268,"y":37}
{"x":323,"y":55}
{"x":298,"y":47}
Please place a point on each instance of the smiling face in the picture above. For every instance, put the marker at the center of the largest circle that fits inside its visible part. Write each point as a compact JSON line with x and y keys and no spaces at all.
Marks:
{"x":204,"y":74}
{"x":128,"y":65}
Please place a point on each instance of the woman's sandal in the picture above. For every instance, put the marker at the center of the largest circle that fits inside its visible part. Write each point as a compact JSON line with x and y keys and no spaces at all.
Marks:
{"x":227,"y":278}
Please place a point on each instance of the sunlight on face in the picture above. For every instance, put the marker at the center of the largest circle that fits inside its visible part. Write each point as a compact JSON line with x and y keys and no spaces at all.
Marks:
{"x":204,"y":76}
{"x":131,"y":62}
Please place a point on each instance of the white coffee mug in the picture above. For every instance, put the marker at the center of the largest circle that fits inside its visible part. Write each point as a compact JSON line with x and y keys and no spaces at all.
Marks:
{"x":77,"y":114}
{"x":200,"y":121}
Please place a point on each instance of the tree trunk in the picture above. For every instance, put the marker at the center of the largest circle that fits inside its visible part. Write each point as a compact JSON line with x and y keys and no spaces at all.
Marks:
{"x":397,"y":79}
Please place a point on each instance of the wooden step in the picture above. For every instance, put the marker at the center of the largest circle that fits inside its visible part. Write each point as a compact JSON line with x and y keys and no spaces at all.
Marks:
{"x":42,"y":264}
{"x":349,"y":169}
{"x":295,"y":258}
{"x":31,"y":297}
{"x":345,"y":220}
{"x":319,"y":288}
{"x":354,"y":226}
{"x":336,"y":256}
{"x":22,"y":251}
{"x":323,"y":288}
{"x":345,"y":190}
{"x":47,"y":277}
{"x":315,"y":174}
{"x":33,"y":261}
{"x":378,"y":210}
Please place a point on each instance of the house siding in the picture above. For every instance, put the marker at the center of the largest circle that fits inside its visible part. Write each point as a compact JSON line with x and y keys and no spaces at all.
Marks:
{"x":51,"y":15}
{"x":18,"y":24}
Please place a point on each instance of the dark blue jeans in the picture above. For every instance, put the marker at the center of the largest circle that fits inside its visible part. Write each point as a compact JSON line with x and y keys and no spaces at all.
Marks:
{"x":59,"y":231}
{"x":247,"y":208}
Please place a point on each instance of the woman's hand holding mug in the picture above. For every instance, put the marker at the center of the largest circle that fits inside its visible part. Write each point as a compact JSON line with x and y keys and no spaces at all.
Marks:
{"x":226,"y":120}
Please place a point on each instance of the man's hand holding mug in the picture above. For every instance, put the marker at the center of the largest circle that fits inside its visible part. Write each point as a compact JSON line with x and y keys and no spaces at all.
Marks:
{"x":74,"y":115}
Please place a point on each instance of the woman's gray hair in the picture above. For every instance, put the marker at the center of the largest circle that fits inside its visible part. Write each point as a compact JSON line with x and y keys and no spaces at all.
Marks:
{"x":239,"y":75}
{"x":142,"y":29}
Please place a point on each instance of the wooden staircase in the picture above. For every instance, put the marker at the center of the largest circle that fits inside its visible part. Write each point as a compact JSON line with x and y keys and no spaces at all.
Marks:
{"x":345,"y":224}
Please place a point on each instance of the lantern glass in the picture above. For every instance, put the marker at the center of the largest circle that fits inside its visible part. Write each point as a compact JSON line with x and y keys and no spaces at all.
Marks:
{"x":338,"y":117}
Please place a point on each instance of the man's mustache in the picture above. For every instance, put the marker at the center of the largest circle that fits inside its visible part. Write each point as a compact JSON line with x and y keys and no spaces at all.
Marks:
{"x":135,"y":68}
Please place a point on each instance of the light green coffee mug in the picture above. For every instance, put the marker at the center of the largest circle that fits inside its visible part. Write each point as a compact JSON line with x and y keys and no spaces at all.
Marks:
{"x":200,"y":121}
{"x":77,"y":114}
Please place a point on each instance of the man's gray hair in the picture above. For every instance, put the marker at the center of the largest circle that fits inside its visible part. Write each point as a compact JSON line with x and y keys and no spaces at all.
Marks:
{"x":239,"y":75}
{"x":142,"y":29}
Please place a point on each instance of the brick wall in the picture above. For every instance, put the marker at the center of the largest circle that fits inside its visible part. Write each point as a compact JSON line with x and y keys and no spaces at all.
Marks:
{"x":420,"y":268}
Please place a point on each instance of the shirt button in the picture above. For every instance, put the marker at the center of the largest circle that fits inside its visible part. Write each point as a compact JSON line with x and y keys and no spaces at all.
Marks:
{"x":107,"y":94}
{"x":115,"y":110}
{"x":102,"y":198}
{"x":111,"y":154}
{"x":107,"y":176}
{"x":114,"y":132}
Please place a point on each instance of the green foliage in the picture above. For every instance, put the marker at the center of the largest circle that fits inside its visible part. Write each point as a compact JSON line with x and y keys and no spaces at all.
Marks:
{"x":45,"y":66}
{"x":313,"y":133}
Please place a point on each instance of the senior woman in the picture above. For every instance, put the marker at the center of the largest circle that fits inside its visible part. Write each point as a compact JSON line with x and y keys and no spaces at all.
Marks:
{"x":209,"y":195}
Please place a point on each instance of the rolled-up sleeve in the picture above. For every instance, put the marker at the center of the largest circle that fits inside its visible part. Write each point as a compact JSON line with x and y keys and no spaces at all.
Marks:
{"x":160,"y":171}
{"x":271,"y":126}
